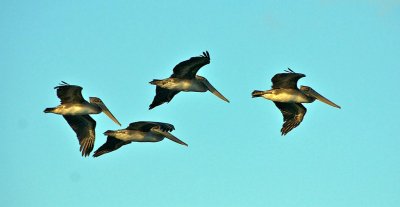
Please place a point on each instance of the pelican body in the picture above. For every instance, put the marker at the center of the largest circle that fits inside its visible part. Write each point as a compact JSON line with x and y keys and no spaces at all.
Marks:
{"x":288,"y":98}
{"x":184,"y":78}
{"x":176,"y":84}
{"x":75,"y":110}
{"x":135,"y":135}
{"x":142,"y":131}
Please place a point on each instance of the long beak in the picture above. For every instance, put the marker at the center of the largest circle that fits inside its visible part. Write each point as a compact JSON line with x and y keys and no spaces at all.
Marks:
{"x":108,"y":113}
{"x":169,"y":136}
{"x":322,"y":98}
{"x":213,"y":90}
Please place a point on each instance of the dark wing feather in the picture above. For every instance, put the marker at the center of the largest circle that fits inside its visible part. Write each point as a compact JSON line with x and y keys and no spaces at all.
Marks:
{"x":293,"y":114}
{"x":145,"y":126}
{"x":188,"y":68}
{"x":111,"y":144}
{"x":84,"y":127}
{"x":162,"y":95}
{"x":69,"y":93}
{"x":286,"y":80}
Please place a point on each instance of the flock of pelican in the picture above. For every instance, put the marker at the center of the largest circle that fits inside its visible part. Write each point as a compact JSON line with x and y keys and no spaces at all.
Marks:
{"x":76,"y":110}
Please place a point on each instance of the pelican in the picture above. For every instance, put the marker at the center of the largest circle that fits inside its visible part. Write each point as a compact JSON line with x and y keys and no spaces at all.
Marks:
{"x":75,"y":110}
{"x":184,"y":78}
{"x":288,"y":98}
{"x":142,"y":131}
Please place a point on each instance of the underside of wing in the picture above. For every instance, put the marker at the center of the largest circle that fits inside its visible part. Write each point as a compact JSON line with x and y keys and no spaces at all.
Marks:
{"x":286,"y":80}
{"x":293,"y":114}
{"x":162,"y":96}
{"x":111,"y":144}
{"x":69,"y":93}
{"x":84,"y":127}
{"x":147,"y":125}
{"x":188,"y":68}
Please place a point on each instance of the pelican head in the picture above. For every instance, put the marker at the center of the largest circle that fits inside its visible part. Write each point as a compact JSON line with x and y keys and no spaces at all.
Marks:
{"x":308,"y":91}
{"x":98,"y":102}
{"x":211,"y":88}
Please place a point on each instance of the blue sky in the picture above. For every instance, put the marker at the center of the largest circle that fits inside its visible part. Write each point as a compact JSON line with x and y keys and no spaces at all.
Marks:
{"x":349,"y":51}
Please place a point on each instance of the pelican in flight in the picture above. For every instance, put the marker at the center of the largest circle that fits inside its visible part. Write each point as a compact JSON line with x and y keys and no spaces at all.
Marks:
{"x":184,"y":78}
{"x":142,"y":131}
{"x":288,"y":98}
{"x":75,"y":110}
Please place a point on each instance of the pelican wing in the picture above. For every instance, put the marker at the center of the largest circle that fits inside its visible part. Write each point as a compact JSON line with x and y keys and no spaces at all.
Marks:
{"x":293,"y":114}
{"x":111,"y":144}
{"x":84,"y":127}
{"x":147,"y":125}
{"x":286,"y":80}
{"x":188,"y":68}
{"x":162,"y":95}
{"x":69,"y":93}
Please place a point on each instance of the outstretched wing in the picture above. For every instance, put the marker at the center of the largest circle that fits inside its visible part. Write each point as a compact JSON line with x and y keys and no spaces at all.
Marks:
{"x":293,"y":114}
{"x":147,"y":125}
{"x":162,"y":95}
{"x":111,"y":144}
{"x":84,"y":127}
{"x":69,"y":93}
{"x":286,"y":80}
{"x":188,"y":68}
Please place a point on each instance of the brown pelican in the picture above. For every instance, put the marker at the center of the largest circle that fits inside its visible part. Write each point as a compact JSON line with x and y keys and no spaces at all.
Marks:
{"x":184,"y":78}
{"x":142,"y":131}
{"x":76,"y":110}
{"x":288,"y":98}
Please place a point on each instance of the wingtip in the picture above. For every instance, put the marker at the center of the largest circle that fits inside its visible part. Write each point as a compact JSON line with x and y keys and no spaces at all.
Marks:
{"x":63,"y":83}
{"x":206,"y":54}
{"x":283,"y":133}
{"x":85,"y":153}
{"x":99,"y":153}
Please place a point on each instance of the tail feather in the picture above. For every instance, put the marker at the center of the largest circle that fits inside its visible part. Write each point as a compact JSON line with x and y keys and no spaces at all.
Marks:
{"x":48,"y":110}
{"x":154,"y":81}
{"x":257,"y":93}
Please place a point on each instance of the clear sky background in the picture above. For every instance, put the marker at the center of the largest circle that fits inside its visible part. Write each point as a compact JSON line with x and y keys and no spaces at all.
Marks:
{"x":349,"y":50}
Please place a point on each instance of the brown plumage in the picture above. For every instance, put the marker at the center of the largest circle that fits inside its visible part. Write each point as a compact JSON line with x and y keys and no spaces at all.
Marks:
{"x":293,"y":114}
{"x":141,"y":131}
{"x":184,"y":70}
{"x":288,"y":98}
{"x":75,"y":110}
{"x":84,"y":127}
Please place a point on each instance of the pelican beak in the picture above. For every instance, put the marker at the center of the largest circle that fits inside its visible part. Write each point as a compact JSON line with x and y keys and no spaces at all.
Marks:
{"x":311,"y":92}
{"x":169,"y":136}
{"x":213,"y":90}
{"x":108,"y":113}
